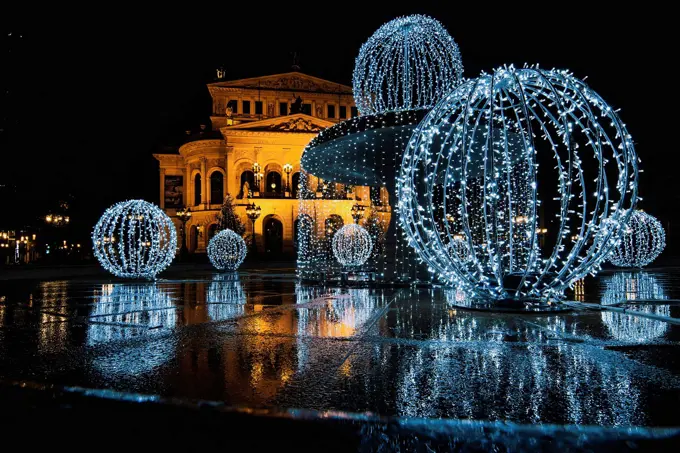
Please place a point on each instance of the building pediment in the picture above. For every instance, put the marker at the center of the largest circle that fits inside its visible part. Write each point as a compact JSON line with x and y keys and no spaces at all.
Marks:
{"x":290,"y":81}
{"x":298,"y":122}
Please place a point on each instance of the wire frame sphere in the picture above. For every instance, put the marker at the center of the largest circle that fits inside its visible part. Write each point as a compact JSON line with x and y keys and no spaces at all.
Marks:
{"x":410,"y":62}
{"x":227,"y":250}
{"x":642,"y":242}
{"x":474,"y":167}
{"x":134,"y":239}
{"x":352,"y":245}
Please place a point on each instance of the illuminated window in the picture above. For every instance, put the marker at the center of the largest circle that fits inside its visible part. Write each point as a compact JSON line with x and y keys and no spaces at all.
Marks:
{"x":331,"y":111}
{"x":343,"y":111}
{"x":246,"y":107}
{"x":258,"y":107}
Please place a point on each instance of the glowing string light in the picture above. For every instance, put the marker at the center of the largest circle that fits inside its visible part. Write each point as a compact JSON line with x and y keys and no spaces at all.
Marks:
{"x":134,"y":239}
{"x":352,"y":245}
{"x":642,"y":242}
{"x":409,"y":62}
{"x":477,"y":158}
{"x":227,"y":250}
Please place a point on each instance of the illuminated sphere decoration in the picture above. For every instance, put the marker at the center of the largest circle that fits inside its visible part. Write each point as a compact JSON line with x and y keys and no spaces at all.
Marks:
{"x":410,"y":62}
{"x":134,"y":239}
{"x":227,"y":250}
{"x":507,"y":156}
{"x":642,"y":242}
{"x":352,"y":245}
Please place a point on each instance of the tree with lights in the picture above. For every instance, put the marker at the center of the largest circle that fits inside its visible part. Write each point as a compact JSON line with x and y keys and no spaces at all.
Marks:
{"x":227,"y":218}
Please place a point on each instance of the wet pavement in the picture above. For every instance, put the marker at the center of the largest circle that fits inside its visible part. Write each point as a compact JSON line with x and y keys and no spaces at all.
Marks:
{"x":260,"y":340}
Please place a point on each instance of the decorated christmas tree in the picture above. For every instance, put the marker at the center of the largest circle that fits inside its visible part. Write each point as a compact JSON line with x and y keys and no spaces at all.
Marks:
{"x":227,"y":218}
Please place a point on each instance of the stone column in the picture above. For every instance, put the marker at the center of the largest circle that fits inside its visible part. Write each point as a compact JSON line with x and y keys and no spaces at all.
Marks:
{"x":185,"y":186}
{"x":162,"y":201}
{"x":204,"y":181}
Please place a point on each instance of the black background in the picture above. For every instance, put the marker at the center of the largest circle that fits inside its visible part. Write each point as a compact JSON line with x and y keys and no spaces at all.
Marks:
{"x":89,"y":94}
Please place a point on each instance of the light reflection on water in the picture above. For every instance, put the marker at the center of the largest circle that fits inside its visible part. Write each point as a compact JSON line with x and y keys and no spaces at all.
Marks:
{"x":413,"y":355}
{"x":226,"y":298}
{"x":630,"y":287}
{"x":120,"y":308}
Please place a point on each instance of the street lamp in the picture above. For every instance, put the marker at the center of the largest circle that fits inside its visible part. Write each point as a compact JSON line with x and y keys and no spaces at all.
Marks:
{"x":253,"y":212}
{"x":183,"y":214}
{"x":287,"y":169}
{"x":57,"y":220}
{"x":357,"y":212}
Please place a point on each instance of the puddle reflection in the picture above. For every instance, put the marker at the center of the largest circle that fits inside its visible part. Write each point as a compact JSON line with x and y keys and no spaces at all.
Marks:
{"x":120,"y":309}
{"x":642,"y":289}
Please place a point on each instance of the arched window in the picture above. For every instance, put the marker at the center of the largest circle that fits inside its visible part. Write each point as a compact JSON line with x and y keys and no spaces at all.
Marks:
{"x":197,"y":189}
{"x":216,"y":187}
{"x":295,"y":183}
{"x":249,"y":178}
{"x":273,"y":182}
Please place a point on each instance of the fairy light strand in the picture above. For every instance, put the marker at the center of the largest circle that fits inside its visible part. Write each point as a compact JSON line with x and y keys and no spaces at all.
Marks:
{"x":642,"y":242}
{"x":472,"y":168}
{"x":409,"y":62}
{"x":352,"y":245}
{"x":227,"y":250}
{"x":134,"y":239}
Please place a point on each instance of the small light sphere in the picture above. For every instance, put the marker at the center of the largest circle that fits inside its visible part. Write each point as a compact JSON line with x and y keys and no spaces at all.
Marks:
{"x":499,"y":159}
{"x":352,"y":245}
{"x":642,"y":242}
{"x":227,"y":250}
{"x":134,"y":239}
{"x":408,"y":63}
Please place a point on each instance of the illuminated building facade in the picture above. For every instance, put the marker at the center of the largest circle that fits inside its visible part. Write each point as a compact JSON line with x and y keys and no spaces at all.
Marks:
{"x":260,"y":127}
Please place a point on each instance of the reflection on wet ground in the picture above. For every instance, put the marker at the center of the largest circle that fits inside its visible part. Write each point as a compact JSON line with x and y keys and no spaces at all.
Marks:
{"x":263,"y":340}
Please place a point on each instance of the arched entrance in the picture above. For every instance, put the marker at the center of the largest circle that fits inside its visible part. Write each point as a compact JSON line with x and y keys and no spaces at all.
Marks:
{"x":193,"y":238}
{"x":212,"y":230}
{"x":273,"y":235}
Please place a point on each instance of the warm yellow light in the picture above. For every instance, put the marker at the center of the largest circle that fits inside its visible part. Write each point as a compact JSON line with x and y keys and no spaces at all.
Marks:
{"x":48,"y":218}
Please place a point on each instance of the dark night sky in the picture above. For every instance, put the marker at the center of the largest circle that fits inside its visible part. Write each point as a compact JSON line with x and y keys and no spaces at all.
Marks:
{"x":94,"y":93}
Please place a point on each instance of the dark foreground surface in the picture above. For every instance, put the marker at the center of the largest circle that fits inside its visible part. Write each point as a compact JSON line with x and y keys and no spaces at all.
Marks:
{"x":259,"y":358}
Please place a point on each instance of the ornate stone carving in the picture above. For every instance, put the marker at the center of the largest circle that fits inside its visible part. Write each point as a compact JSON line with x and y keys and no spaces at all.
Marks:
{"x":296,"y":125}
{"x":294,"y":82}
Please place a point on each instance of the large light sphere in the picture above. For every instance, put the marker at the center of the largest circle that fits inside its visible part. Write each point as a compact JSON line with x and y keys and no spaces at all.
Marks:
{"x":410,"y":62}
{"x":642,"y":242}
{"x":227,"y":250}
{"x":134,"y":239}
{"x":352,"y":245}
{"x":532,"y":168}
